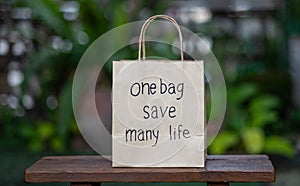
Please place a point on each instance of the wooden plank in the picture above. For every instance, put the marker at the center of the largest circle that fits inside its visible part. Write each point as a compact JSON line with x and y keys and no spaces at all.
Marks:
{"x":229,"y":168}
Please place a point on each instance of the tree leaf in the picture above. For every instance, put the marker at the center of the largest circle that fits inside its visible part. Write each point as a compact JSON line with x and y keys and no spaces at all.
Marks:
{"x":48,"y":12}
{"x":57,"y":144}
{"x":262,"y":110}
{"x":223,"y":142}
{"x":237,"y":95}
{"x":27,"y":131}
{"x":253,"y":139}
{"x":263,"y":103}
{"x":45,"y":130}
{"x":263,"y":118}
{"x":36,"y":145}
{"x":279,"y":145}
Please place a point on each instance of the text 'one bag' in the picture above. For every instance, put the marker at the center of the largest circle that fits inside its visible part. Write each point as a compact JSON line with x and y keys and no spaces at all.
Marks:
{"x":158,"y":111}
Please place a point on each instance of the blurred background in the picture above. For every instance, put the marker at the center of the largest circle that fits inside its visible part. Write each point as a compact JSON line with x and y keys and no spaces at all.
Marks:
{"x":257,"y":43}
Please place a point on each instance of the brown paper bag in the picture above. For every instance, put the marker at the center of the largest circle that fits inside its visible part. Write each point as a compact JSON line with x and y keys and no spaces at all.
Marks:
{"x":158,"y":111}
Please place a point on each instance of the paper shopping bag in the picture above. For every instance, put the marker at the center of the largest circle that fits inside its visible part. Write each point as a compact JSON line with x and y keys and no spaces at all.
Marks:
{"x":158,"y":111}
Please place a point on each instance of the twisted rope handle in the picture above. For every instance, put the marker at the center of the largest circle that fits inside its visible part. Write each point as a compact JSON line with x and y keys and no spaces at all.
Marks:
{"x":142,"y":47}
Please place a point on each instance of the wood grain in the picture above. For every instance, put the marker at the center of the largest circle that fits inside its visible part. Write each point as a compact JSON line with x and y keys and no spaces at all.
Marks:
{"x":227,"y":168}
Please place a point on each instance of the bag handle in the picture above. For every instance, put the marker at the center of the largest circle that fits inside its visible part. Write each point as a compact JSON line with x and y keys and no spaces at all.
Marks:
{"x":143,"y":31}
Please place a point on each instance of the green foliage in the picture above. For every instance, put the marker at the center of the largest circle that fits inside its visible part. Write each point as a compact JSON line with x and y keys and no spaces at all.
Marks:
{"x":249,"y":113}
{"x":223,"y":142}
{"x":279,"y":145}
{"x":46,"y":128}
{"x":262,"y":110}
{"x":51,"y":67}
{"x":41,"y":136}
{"x":253,"y":139}
{"x":48,"y":12}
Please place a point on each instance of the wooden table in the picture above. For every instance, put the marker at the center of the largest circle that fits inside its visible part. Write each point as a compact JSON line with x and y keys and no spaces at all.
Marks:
{"x":92,"y":170}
